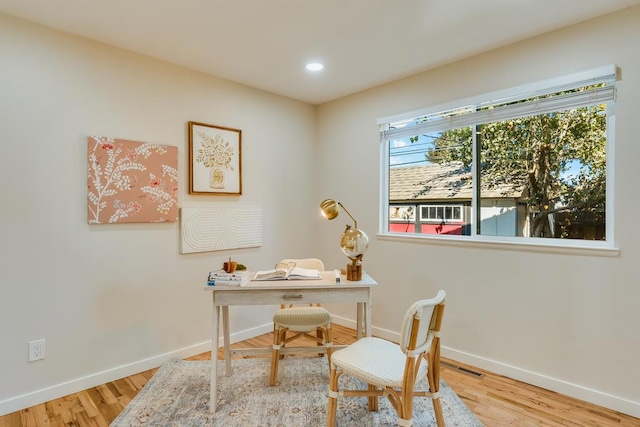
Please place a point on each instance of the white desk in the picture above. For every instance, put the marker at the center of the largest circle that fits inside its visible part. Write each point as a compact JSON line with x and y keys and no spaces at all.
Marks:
{"x":283,"y":292}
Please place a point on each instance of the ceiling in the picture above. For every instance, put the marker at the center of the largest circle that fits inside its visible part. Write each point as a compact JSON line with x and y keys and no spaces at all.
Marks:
{"x":266,"y":43}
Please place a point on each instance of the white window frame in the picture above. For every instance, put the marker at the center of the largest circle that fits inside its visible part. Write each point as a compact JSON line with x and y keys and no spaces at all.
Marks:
{"x":606,"y":247}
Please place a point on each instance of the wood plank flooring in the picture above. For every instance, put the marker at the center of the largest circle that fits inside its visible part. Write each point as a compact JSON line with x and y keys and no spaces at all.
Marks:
{"x":496,"y":400}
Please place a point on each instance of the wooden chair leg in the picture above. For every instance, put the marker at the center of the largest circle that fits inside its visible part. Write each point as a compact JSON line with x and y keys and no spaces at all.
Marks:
{"x":373,"y":400}
{"x":320,"y":336}
{"x":283,"y":342}
{"x":437,"y":408}
{"x":433,"y":375}
{"x":333,"y":401}
{"x":329,"y":340}
{"x":275,"y":355}
{"x":405,"y":409}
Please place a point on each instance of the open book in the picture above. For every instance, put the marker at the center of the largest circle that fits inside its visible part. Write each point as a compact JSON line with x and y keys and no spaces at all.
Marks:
{"x":293,"y":273}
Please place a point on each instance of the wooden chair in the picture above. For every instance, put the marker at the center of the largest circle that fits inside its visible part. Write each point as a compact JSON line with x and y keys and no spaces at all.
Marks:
{"x":391,"y":369}
{"x":311,"y":321}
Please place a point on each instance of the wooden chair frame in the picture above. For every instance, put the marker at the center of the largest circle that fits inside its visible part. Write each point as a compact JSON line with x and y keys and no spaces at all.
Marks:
{"x":402,"y":399}
{"x":280,"y":339}
{"x":322,"y":337}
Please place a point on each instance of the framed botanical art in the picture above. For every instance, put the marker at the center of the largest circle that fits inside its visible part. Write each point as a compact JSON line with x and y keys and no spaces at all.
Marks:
{"x":215,"y":159}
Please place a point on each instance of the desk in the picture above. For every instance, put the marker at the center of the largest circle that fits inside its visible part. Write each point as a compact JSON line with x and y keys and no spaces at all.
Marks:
{"x":283,"y":292}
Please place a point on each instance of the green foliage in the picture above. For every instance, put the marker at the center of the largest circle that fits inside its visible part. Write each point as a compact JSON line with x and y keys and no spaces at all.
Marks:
{"x":557,"y":159}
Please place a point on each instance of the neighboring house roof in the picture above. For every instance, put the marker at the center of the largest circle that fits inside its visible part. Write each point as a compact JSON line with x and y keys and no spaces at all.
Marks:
{"x":444,"y":181}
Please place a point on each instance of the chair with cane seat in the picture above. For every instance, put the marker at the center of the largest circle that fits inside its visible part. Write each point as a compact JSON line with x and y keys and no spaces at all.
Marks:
{"x":391,"y":369}
{"x":301,"y":321}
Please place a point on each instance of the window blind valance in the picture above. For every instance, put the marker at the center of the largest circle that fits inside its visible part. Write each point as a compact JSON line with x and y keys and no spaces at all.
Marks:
{"x":582,"y":93}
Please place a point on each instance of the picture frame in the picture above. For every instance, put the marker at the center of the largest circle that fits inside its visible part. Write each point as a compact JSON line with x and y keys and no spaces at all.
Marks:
{"x":215,"y":159}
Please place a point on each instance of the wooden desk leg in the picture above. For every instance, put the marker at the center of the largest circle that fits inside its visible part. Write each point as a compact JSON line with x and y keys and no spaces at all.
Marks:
{"x":367,"y":315}
{"x":359,"y":320}
{"x":227,"y":343}
{"x":213,"y":387}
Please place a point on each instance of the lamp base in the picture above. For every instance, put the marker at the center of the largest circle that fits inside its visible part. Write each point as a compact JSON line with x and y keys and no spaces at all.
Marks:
{"x":354,"y":272}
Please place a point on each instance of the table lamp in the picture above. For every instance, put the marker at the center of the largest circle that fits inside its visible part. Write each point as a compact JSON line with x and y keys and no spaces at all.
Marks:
{"x":353,"y":242}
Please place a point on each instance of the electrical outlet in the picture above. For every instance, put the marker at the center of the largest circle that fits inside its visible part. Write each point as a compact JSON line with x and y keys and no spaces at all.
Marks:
{"x":36,"y":350}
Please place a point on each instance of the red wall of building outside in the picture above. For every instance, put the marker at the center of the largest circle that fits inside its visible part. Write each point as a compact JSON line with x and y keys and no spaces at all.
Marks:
{"x":455,"y":229}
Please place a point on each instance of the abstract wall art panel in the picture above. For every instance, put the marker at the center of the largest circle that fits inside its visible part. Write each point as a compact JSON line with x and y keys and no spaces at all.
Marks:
{"x":217,"y":229}
{"x":131,"y":181}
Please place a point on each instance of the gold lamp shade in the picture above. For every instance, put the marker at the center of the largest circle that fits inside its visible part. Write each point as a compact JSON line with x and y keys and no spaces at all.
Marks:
{"x":330,"y":208}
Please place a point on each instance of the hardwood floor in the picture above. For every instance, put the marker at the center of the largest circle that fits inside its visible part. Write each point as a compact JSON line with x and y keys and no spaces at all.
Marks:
{"x":496,"y":400}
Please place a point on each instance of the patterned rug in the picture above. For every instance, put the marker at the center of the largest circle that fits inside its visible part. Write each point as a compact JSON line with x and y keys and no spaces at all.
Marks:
{"x":178,"y":395}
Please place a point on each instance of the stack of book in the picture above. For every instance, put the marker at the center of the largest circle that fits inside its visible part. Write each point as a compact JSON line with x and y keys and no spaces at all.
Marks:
{"x":222,"y":278}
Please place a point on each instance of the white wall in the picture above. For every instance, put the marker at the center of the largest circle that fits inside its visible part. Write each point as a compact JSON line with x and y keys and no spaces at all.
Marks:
{"x":564,"y":321}
{"x":111,"y":300}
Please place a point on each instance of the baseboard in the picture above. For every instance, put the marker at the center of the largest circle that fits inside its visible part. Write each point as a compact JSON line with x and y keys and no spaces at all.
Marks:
{"x":27,"y":400}
{"x":49,"y":393}
{"x":576,"y":391}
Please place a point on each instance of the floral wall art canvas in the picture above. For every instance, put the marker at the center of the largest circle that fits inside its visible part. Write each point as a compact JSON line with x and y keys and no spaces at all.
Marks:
{"x":215,"y":163}
{"x":131,"y":181}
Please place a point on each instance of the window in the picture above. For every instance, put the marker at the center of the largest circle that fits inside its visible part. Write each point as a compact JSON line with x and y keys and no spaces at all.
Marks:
{"x":441,"y":213}
{"x":531,"y":163}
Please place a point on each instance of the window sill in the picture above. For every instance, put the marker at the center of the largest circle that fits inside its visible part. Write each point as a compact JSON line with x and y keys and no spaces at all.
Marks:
{"x":572,"y":247}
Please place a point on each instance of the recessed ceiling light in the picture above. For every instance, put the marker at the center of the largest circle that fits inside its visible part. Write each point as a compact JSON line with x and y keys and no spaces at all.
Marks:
{"x":314,"y":66}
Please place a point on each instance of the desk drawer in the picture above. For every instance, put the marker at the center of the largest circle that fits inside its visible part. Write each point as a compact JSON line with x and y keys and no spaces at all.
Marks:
{"x":252,"y":296}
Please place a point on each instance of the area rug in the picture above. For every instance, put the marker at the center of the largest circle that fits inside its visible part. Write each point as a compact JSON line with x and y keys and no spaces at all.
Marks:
{"x":178,"y":395}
